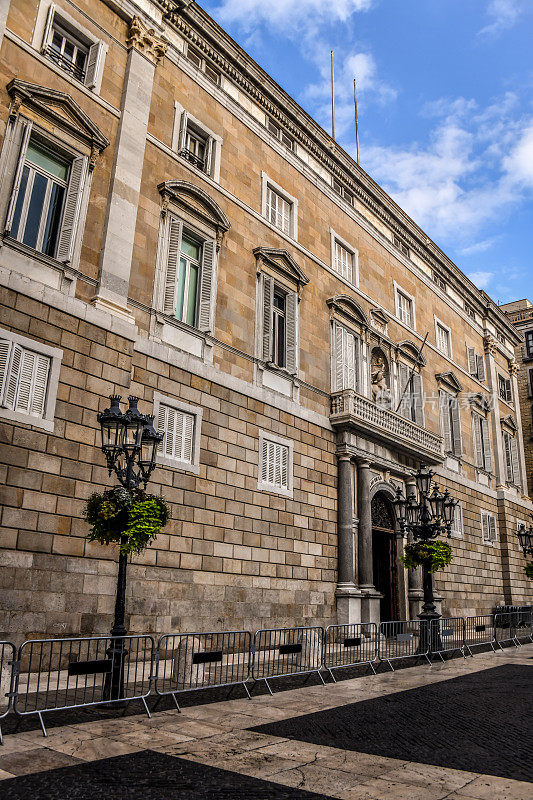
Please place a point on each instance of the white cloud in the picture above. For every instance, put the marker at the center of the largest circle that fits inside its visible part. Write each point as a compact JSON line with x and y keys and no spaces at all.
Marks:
{"x":479,"y":247}
{"x":519,"y":162}
{"x":249,"y":13}
{"x":502,"y":14}
{"x":481,"y":279}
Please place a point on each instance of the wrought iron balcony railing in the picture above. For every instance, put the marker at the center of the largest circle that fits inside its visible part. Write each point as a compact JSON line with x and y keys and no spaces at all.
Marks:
{"x":65,"y":64}
{"x":194,"y":159}
{"x":349,"y":409}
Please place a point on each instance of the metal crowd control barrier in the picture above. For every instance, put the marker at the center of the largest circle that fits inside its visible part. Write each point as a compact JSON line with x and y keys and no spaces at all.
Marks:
{"x":287,"y":651}
{"x":190,"y":661}
{"x":57,"y":674}
{"x":7,"y":679}
{"x":447,"y":636}
{"x":350,"y":645}
{"x":524,"y":625}
{"x":479,"y":631}
{"x":505,"y":629}
{"x":403,"y":639}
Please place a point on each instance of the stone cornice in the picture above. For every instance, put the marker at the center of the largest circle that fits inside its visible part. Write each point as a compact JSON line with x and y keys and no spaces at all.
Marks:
{"x":197,"y":27}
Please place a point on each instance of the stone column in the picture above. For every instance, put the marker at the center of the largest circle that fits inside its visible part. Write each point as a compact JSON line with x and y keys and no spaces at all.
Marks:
{"x":347,"y":595}
{"x":514,"y":368}
{"x":145,"y":50}
{"x":370,"y":598}
{"x":414,"y":576}
{"x":492,"y":381}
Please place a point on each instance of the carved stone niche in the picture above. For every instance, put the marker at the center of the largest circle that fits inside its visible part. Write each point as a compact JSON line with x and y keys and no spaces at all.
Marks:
{"x":380,"y":377}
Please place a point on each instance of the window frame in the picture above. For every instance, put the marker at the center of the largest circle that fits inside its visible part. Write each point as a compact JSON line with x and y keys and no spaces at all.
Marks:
{"x":528,"y":339}
{"x":507,"y":396}
{"x":265,"y":486}
{"x":213,"y":154}
{"x":42,"y":37}
{"x":399,"y":291}
{"x":489,"y":515}
{"x":511,"y":456}
{"x":447,"y":330}
{"x":268,"y":184}
{"x":204,"y":64}
{"x":335,"y":240}
{"x":47,"y":421}
{"x":456,"y":436}
{"x":460,"y":532}
{"x":197,"y":412}
{"x":280,"y":134}
{"x":343,"y":365}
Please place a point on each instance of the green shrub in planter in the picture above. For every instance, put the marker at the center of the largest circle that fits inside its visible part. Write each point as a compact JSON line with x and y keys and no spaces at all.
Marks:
{"x":130,"y":519}
{"x":434,"y":555}
{"x":528,"y":569}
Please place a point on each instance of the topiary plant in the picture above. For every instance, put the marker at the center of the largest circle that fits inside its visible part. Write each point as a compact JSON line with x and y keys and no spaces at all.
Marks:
{"x":433,"y":555}
{"x":130,"y":519}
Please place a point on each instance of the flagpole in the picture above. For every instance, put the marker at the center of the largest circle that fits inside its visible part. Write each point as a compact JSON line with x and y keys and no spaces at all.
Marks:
{"x":356,"y":117}
{"x":332,"y":99}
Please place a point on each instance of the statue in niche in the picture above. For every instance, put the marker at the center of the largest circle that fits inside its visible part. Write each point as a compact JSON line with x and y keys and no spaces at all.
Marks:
{"x":379,"y":373}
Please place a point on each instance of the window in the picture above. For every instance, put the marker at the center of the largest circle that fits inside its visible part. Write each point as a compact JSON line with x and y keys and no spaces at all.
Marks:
{"x":489,"y":531}
{"x":470,"y":311}
{"x":279,"y":325}
{"x":450,"y":423}
{"x":441,"y":283}
{"x":278,"y":211}
{"x":476,"y":364}
{"x":401,"y":246}
{"x":482,"y":445}
{"x":29,"y":373}
{"x":457,"y":529}
{"x":442,"y":335}
{"x":275,"y":464}
{"x":280,"y":134}
{"x":343,"y":191}
{"x":195,"y":142}
{"x":512,"y":465}
{"x":72,"y":48}
{"x":278,"y":207}
{"x":189,"y":283}
{"x":404,"y":308}
{"x":346,"y":358}
{"x":504,"y":389}
{"x":196,"y":58}
{"x":500,"y":337}
{"x":410,"y":394}
{"x":343,"y":262}
{"x":45,"y":201}
{"x":180,"y":425}
{"x":529,"y":344}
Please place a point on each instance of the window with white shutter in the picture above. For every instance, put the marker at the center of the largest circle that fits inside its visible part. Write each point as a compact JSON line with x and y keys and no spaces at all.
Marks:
{"x":180,"y":426}
{"x":343,"y":261}
{"x":457,"y":529}
{"x":275,"y":464}
{"x":489,"y":531}
{"x":29,"y":374}
{"x":450,"y":423}
{"x":280,"y":325}
{"x":279,"y":207}
{"x":72,"y":48}
{"x":346,"y":359}
{"x":476,"y":363}
{"x":410,"y":398}
{"x":404,"y":308}
{"x":482,"y":442}
{"x":504,"y":389}
{"x":443,"y":339}
{"x":512,"y":464}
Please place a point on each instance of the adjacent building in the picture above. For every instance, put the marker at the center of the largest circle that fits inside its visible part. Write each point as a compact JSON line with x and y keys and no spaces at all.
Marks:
{"x":175,"y":227}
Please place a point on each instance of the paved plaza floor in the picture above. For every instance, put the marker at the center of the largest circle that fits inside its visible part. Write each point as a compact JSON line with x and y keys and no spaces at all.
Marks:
{"x":459,"y":730}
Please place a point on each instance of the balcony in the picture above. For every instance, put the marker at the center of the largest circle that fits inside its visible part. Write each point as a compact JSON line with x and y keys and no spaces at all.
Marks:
{"x":350,"y":410}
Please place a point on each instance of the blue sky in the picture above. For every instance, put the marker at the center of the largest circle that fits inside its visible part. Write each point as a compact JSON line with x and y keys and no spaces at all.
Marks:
{"x":445,"y":91}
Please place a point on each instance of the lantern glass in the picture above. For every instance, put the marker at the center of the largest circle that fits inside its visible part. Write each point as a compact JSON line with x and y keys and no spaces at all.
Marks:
{"x":449,"y":509}
{"x":399,"y":504}
{"x":149,"y":442}
{"x":436,"y":501}
{"x":112,"y":426}
{"x":413,"y":510}
{"x":423,"y":477}
{"x":134,"y":423}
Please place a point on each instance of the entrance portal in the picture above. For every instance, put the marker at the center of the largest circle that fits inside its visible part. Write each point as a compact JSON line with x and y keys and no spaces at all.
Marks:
{"x":384,"y":557}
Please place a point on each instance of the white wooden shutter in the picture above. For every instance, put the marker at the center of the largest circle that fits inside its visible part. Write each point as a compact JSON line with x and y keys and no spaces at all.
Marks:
{"x":210,"y":144}
{"x":182,"y":142}
{"x":339,"y":354}
{"x":291,"y":331}
{"x":275,"y":464}
{"x":484,"y":526}
{"x":492,"y":534}
{"x":350,"y":363}
{"x":457,"y":525}
{"x":264,"y":462}
{"x":173,"y":232}
{"x":508,"y":457}
{"x":10,"y":393}
{"x":514,"y":460}
{"x":207,"y":283}
{"x":487,"y":446}
{"x":444,"y":404}
{"x":188,"y":437}
{"x":403,"y":391}
{"x":94,"y":59}
{"x":478,"y":442}
{"x":26,"y":382}
{"x":162,"y":427}
{"x":5,"y":352}
{"x":41,"y":371}
{"x":480,"y":361}
{"x":47,"y":38}
{"x":268,"y":300}
{"x":22,"y":141}
{"x":71,"y":209}
{"x":418,"y":398}
{"x":471,"y":358}
{"x":456,"y":427}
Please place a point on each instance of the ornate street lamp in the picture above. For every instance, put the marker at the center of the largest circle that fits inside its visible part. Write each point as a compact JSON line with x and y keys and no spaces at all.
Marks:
{"x":129,"y":443}
{"x":425,"y":518}
{"x":525,"y":537}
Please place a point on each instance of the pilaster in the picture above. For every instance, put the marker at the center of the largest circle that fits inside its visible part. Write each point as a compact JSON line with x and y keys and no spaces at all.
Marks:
{"x":514,"y":369}
{"x":347,"y":595}
{"x":492,"y":381}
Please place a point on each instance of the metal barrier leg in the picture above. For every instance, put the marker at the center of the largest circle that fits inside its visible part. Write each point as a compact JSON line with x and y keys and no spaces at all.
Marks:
{"x":246,"y":690}
{"x":42,"y":723}
{"x":146,"y":707}
{"x":321,"y":678}
{"x":268,"y":687}
{"x":470,"y":653}
{"x":1,"y":737}
{"x":177,"y":704}
{"x":429,"y":660}
{"x":332,"y":675}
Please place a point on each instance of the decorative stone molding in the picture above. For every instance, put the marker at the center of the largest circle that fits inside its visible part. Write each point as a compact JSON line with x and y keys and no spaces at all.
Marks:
{"x":490,"y":344}
{"x":281,"y":261}
{"x":146,"y":40}
{"x":197,"y":202}
{"x":450,"y":381}
{"x":344,"y":304}
{"x":514,"y":368}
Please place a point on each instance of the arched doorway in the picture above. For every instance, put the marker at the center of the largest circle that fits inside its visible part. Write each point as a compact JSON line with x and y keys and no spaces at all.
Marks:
{"x":384,"y":556}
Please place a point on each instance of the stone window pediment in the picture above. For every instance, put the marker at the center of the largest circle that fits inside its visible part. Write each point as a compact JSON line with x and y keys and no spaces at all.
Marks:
{"x":348,"y":307}
{"x":509,"y":423}
{"x":197,"y":203}
{"x":411,"y":352}
{"x":449,"y":382}
{"x":480,"y":402}
{"x":282,"y":263}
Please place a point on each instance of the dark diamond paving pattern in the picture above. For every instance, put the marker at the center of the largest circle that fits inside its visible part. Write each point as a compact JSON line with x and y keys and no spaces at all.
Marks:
{"x":145,"y":776}
{"x":479,"y":723}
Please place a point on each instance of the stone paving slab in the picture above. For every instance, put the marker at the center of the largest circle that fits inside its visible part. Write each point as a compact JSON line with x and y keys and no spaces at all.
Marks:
{"x":223,"y":736}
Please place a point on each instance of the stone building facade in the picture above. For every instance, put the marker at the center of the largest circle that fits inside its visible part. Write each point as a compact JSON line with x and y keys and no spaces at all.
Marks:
{"x":176,"y":227}
{"x":520,"y":313}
